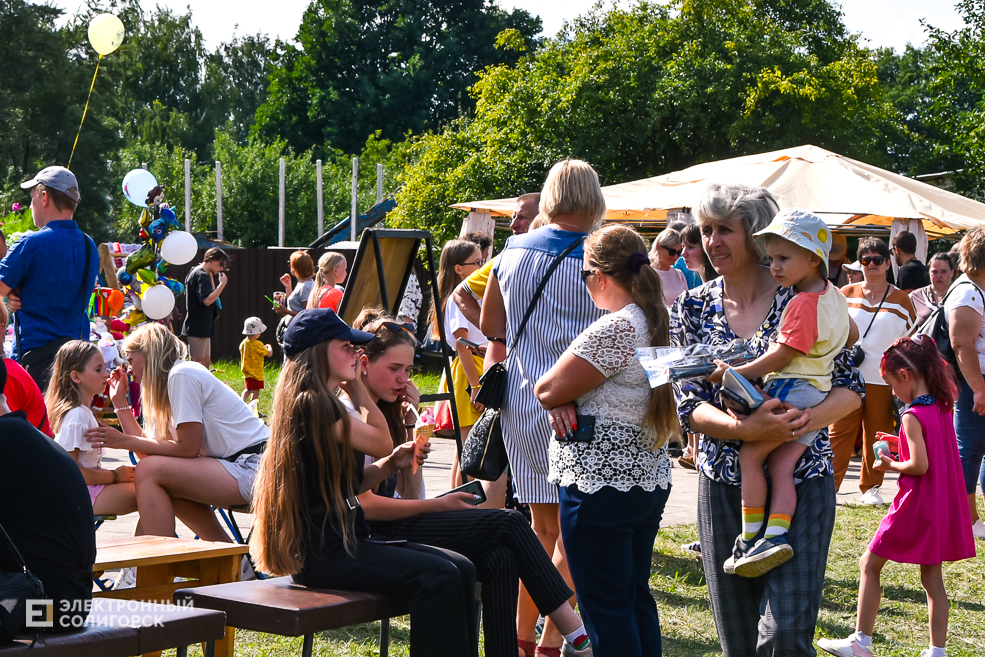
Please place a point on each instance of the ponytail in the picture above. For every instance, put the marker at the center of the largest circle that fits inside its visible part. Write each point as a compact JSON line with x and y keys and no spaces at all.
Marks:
{"x":919,"y":357}
{"x":620,"y":253}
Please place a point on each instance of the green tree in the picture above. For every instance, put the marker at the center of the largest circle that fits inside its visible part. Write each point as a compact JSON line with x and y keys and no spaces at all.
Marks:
{"x":393,"y":66}
{"x":650,"y":89}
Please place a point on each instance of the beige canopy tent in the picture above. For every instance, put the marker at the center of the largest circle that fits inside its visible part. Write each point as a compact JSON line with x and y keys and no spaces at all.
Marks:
{"x":842,"y":190}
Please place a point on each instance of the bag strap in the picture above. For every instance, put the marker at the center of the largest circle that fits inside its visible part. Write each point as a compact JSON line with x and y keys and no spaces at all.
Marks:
{"x":13,"y":547}
{"x":543,"y":284}
{"x":876,"y":313}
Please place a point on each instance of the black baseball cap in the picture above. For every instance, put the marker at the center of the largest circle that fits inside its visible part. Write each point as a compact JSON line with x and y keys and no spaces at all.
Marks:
{"x":316,"y":325}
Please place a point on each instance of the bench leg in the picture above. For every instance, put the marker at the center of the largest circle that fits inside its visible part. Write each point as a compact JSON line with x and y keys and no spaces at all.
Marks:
{"x":182,"y":651}
{"x":210,"y":649}
{"x":384,"y":637}
{"x":308,"y":646}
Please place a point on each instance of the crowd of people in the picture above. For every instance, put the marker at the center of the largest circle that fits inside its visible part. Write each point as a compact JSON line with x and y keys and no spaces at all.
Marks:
{"x":335,"y":481}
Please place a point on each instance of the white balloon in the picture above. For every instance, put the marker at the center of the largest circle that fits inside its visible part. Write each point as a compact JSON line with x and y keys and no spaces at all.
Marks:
{"x":179,"y":247}
{"x":157,"y":302}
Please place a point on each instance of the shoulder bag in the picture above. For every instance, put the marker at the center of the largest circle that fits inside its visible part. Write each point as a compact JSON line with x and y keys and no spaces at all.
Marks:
{"x":856,"y":352}
{"x":484,"y":453}
{"x":15,"y":589}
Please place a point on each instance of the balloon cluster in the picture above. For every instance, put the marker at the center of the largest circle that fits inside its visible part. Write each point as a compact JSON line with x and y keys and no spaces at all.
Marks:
{"x":162,"y":244}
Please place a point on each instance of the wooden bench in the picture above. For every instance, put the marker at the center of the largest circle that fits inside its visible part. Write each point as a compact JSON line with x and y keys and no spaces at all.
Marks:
{"x":279,"y":606}
{"x":114,"y":629}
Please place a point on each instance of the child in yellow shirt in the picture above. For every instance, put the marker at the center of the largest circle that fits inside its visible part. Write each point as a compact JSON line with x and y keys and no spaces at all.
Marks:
{"x":251,"y":355}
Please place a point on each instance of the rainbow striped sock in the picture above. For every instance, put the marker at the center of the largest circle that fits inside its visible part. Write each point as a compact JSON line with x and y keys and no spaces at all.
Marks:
{"x":777,"y":525}
{"x":752,"y":520}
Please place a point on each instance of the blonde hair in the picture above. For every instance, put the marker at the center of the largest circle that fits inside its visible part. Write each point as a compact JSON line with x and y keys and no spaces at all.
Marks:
{"x":667,"y":237}
{"x":326,"y":265}
{"x":161,"y":349}
{"x":307,"y":412}
{"x":620,"y":253}
{"x":64,"y":394}
{"x":572,"y":187}
{"x":971,"y":250}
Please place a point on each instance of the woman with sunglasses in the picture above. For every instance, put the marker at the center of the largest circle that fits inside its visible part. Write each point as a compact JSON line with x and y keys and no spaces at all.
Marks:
{"x":663,"y":254}
{"x":883,"y":313}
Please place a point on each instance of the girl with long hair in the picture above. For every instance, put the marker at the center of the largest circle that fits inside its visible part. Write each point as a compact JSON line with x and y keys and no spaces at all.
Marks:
{"x":608,"y":454}
{"x":929,"y":521}
{"x":459,"y":259}
{"x":200,"y":446}
{"x":309,"y":521}
{"x":500,"y":543}
{"x":78,"y":374}
{"x":325,"y":293}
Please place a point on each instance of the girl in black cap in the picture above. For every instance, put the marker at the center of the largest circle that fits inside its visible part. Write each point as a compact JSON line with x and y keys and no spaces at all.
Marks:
{"x":309,"y":523}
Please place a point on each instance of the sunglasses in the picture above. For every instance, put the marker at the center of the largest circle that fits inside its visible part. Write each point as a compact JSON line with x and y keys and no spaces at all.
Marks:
{"x":396,"y":328}
{"x":585,"y":273}
{"x":673,"y":252}
{"x":872,"y":260}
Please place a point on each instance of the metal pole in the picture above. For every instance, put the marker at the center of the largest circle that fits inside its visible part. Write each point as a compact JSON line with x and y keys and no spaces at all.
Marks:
{"x":355,"y":205}
{"x":188,"y":196}
{"x":218,"y":199}
{"x":281,"y":210}
{"x":379,"y":183}
{"x":143,"y":165}
{"x":321,"y":200}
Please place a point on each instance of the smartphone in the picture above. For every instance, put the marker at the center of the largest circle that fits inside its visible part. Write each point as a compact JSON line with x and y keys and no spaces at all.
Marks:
{"x":469,"y":343}
{"x":474,"y":487}
{"x":272,"y":301}
{"x":585,"y":433}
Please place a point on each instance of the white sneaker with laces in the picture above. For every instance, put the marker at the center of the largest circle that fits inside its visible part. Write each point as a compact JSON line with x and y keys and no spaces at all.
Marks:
{"x":850,"y":647}
{"x":568,"y":650}
{"x":978,"y":529}
{"x":872,"y":497}
{"x":127,"y":579}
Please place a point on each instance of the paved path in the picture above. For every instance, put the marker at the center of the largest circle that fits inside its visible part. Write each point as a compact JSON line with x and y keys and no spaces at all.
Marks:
{"x":681,"y":507}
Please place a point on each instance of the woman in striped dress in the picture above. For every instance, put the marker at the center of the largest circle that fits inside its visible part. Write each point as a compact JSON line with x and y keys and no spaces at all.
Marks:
{"x":572,"y":201}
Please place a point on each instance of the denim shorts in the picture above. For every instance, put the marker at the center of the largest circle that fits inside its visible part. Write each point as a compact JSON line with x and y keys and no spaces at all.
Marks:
{"x":970,"y":428}
{"x":799,"y":393}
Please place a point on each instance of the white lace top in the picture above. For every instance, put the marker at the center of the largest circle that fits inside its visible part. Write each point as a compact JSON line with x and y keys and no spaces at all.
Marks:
{"x":618,"y":456}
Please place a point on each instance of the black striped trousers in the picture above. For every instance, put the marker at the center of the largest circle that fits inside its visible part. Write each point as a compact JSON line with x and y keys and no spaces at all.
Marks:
{"x":504,"y":550}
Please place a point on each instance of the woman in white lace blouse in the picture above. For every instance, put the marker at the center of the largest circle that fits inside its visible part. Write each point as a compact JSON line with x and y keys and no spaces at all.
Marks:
{"x":614,"y":481}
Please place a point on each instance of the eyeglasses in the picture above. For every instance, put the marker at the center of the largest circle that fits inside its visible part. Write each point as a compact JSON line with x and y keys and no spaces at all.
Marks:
{"x":477,"y":263}
{"x":396,"y":328}
{"x":872,"y":260}
{"x":585,"y":273}
{"x":672,"y":252}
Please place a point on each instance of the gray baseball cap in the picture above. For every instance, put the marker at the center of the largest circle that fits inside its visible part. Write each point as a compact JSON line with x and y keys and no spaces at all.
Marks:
{"x":58,"y":178}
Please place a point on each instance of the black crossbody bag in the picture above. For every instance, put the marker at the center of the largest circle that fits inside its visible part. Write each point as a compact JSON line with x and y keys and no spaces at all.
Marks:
{"x":484,"y":453}
{"x":15,"y":589}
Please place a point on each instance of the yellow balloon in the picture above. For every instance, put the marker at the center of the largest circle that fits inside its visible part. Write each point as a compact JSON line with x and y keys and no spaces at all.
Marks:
{"x":106,"y":33}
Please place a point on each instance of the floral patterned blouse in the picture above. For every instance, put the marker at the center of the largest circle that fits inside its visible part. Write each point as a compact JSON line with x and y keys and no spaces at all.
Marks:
{"x":698,"y":316}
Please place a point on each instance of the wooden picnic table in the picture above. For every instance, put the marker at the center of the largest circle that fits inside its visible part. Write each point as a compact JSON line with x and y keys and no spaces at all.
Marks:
{"x":160,"y":559}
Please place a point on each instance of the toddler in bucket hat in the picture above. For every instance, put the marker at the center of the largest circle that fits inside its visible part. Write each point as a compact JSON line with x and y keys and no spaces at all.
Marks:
{"x":251,"y":355}
{"x":813,"y":329}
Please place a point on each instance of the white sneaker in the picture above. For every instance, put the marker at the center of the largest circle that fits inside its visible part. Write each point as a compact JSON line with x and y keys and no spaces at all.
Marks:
{"x":246,"y":572}
{"x":872,"y":497}
{"x":568,"y":650}
{"x":127,"y":579}
{"x":849,"y":647}
{"x":978,"y":529}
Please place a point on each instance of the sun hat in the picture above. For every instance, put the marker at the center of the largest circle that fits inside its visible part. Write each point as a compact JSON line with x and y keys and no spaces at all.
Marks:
{"x":253,"y":326}
{"x":853,"y":266}
{"x":315,"y":325}
{"x":58,"y":178}
{"x":803,"y":228}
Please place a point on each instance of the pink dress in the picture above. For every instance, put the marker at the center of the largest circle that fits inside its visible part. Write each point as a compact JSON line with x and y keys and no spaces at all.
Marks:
{"x":929,"y":521}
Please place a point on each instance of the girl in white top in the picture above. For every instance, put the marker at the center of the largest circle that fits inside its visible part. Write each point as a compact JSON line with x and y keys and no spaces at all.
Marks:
{"x":78,"y":374}
{"x":202,"y":446}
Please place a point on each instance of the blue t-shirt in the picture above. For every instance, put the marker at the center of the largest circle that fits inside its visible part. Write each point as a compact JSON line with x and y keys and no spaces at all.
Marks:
{"x":693,"y":278}
{"x":46,"y":266}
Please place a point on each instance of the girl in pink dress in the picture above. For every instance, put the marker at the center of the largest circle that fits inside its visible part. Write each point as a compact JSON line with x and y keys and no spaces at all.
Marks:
{"x":929,"y":521}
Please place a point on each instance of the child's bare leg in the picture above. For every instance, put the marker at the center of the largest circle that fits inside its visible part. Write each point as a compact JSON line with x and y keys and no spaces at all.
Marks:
{"x":254,"y":394}
{"x":752,"y":456}
{"x":933,"y":583}
{"x":781,"y":463}
{"x":869,"y":592}
{"x":246,"y":395}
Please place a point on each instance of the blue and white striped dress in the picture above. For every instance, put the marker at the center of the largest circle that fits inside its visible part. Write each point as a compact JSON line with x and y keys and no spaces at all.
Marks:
{"x":563,"y":311}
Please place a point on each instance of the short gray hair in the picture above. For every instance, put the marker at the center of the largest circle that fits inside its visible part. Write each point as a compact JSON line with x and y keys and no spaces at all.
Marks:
{"x":572,"y":187}
{"x":755,"y":206}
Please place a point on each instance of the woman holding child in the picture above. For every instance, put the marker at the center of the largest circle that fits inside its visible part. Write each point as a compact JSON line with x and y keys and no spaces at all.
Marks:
{"x":775,"y":613}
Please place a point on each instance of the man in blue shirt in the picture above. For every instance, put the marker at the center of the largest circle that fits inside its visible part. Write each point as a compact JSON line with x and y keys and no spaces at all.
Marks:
{"x":48,"y":276}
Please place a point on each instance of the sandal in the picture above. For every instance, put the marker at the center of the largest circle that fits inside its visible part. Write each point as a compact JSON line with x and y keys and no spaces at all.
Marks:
{"x":527,"y":648}
{"x":686,"y":462}
{"x":547,"y":652}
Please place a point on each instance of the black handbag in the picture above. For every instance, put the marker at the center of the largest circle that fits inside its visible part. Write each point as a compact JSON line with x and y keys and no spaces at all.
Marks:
{"x":484,"y":453}
{"x":15,"y":589}
{"x":856,"y":353}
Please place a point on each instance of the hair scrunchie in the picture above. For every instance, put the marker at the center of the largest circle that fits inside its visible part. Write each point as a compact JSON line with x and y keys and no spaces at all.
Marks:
{"x":637,"y":260}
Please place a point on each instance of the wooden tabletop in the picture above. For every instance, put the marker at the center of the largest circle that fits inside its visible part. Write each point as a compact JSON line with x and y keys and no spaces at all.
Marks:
{"x":120,"y":552}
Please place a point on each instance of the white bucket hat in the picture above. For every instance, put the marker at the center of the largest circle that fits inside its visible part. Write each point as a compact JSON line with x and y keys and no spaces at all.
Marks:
{"x":253,"y":326}
{"x":805,"y":229}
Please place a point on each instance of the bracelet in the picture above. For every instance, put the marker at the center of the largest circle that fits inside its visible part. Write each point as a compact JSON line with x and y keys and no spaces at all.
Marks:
{"x":122,"y":408}
{"x":116,"y":477}
{"x":409,"y":426}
